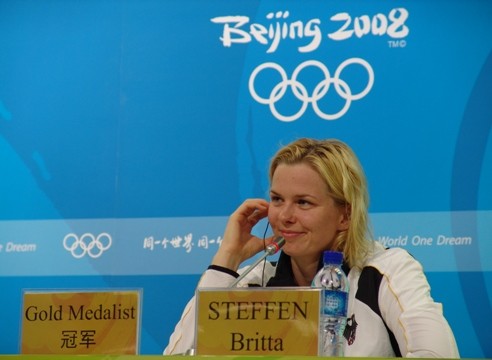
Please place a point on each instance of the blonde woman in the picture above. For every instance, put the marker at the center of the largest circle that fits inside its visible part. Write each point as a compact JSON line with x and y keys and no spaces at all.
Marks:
{"x":319,"y":201}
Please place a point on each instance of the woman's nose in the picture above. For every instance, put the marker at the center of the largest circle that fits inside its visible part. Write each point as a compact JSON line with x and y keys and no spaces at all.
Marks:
{"x":287,"y":213}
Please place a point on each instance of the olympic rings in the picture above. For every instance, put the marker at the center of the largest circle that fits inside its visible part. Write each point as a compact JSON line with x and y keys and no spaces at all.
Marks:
{"x":320,"y":90}
{"x":87,"y":244}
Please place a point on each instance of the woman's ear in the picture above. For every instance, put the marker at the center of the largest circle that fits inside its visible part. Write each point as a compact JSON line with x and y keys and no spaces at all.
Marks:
{"x":346,"y":211}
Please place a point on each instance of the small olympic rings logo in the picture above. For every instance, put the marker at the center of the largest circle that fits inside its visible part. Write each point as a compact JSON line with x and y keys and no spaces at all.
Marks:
{"x":320,"y":90}
{"x":87,"y":244}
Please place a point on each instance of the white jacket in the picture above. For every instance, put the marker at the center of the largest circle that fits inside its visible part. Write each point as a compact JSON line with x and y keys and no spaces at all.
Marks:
{"x":390,"y":308}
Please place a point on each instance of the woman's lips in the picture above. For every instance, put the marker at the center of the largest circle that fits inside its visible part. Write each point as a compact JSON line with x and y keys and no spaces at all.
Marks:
{"x":290,"y":234}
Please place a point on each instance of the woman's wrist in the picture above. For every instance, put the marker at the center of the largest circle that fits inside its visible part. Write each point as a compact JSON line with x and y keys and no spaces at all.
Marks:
{"x":228,"y":261}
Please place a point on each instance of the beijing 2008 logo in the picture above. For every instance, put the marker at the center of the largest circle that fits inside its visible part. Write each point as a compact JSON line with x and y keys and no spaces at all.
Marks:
{"x":87,"y":244}
{"x":300,"y":91}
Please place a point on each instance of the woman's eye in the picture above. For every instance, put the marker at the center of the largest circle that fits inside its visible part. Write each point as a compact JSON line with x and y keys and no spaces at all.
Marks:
{"x":303,"y":202}
{"x":275,"y":199}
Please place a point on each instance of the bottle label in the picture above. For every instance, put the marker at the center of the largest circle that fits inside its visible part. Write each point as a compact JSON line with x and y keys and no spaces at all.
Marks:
{"x":335,"y":303}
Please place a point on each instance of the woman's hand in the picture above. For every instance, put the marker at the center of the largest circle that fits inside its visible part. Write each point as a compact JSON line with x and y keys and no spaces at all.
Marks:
{"x":238,"y":244}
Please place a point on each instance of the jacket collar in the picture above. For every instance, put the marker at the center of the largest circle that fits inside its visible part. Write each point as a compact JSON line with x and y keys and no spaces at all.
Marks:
{"x":284,"y":276}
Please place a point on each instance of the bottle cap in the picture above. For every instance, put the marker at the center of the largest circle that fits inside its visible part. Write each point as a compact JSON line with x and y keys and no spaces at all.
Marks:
{"x":332,"y":257}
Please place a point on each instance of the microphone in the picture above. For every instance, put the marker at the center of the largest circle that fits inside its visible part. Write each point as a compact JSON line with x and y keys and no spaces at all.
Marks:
{"x":271,"y":249}
{"x":275,"y":246}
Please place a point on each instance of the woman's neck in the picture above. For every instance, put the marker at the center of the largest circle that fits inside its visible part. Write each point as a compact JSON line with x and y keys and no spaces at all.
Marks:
{"x":304,"y":271}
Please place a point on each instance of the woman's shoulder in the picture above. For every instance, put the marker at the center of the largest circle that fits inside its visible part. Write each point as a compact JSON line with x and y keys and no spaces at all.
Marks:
{"x":387,"y":259}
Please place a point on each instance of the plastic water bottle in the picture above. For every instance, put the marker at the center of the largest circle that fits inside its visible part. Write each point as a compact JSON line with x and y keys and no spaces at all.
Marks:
{"x":333,"y":308}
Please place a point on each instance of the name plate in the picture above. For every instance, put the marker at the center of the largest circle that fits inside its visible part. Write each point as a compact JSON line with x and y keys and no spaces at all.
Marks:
{"x":257,"y":321}
{"x":87,"y":322}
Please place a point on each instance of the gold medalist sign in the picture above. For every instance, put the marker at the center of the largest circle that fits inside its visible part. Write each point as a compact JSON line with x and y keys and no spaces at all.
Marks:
{"x":257,"y":321}
{"x":92,"y":322}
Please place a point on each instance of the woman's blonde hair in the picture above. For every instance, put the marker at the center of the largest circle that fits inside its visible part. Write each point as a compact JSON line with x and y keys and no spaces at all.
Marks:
{"x":342,"y":172}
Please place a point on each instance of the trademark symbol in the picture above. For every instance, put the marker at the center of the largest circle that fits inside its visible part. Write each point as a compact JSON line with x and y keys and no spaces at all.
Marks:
{"x":397,"y":43}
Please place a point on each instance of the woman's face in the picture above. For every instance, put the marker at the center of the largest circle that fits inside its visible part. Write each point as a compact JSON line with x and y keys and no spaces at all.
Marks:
{"x":302,"y":211}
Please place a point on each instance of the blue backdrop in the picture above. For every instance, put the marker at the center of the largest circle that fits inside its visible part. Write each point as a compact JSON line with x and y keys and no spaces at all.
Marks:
{"x":140,"y":125}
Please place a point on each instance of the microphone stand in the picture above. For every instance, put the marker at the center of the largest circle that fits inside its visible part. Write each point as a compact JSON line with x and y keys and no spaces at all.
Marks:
{"x":271,"y":249}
